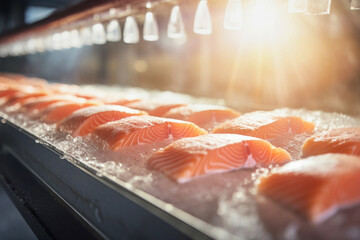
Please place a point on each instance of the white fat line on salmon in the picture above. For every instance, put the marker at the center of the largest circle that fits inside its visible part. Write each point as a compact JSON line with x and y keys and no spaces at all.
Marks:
{"x":171,"y":137}
{"x":289,"y":125}
{"x":250,"y":161}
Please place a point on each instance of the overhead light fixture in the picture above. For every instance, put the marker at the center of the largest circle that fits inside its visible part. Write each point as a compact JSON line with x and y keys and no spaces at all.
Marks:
{"x":151,"y":31}
{"x":318,"y":7}
{"x":202,"y":22}
{"x":355,"y":5}
{"x":131,"y":30}
{"x":113,"y":31}
{"x":98,"y":34}
{"x":176,"y":29}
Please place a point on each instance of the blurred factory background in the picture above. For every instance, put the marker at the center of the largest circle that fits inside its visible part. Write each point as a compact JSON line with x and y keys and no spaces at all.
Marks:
{"x":277,"y":59}
{"x":16,"y":13}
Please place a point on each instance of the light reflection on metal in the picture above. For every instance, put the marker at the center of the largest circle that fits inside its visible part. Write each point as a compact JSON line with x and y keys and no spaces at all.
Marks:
{"x":202,"y":22}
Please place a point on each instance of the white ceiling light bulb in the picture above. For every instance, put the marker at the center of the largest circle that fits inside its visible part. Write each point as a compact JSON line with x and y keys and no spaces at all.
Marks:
{"x":40,"y":45}
{"x":32,"y":45}
{"x":296,"y":6}
{"x":75,"y":40}
{"x":202,"y":22}
{"x":85,"y":36}
{"x":65,"y":40}
{"x":98,"y":35}
{"x":15,"y":49}
{"x":3,"y":51}
{"x":233,"y":15}
{"x":176,"y":29}
{"x":48,"y":42}
{"x":113,"y":31}
{"x":56,"y":41}
{"x":355,"y":5}
{"x":131,"y":30}
{"x":18,"y":48}
{"x":318,"y":7}
{"x":151,"y":31}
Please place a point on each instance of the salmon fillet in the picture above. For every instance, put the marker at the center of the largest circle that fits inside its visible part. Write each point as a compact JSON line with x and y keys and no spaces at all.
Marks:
{"x":341,"y":140}
{"x":213,"y":153}
{"x":265,"y":125}
{"x":60,"y":88}
{"x":316,"y":187}
{"x":22,"y":81}
{"x":20,"y":98}
{"x":205,"y":116}
{"x":59,"y":111}
{"x":139,"y":130}
{"x":154,"y":108}
{"x":34,"y":106}
{"x":124,"y":101}
{"x":84,"y":121}
{"x":12,"y":91}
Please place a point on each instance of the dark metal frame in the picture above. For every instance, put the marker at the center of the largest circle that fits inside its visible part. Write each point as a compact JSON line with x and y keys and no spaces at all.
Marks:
{"x":111,"y":210}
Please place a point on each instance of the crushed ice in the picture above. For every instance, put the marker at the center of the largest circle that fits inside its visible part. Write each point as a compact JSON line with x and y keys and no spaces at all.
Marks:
{"x":224,"y":200}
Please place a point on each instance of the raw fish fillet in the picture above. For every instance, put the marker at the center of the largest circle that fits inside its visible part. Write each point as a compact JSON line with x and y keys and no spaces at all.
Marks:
{"x":315,"y":187}
{"x":154,"y":108}
{"x":11,"y":90}
{"x":22,"y":81}
{"x":6,"y":95}
{"x":34,"y":106}
{"x":8,"y":92}
{"x":139,"y":130}
{"x":20,"y":98}
{"x":75,"y":90}
{"x":205,"y":116}
{"x":265,"y":125}
{"x":59,"y":111}
{"x":84,"y":121}
{"x":341,"y":140}
{"x":213,"y":153}
{"x":119,"y":101}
